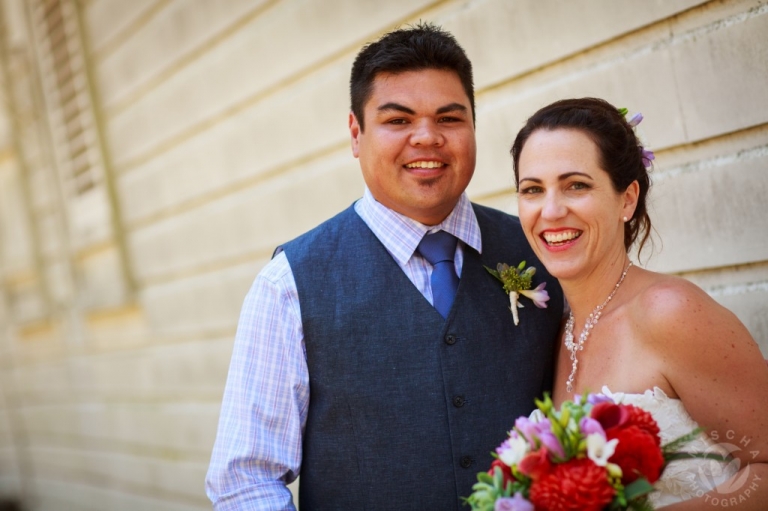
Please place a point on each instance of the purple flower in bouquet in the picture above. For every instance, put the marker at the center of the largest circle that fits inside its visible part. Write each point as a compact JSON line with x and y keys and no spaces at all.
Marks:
{"x":528,"y":428}
{"x":541,"y":432}
{"x":516,"y":503}
{"x":590,"y":426}
{"x":550,"y":441}
{"x":593,"y":399}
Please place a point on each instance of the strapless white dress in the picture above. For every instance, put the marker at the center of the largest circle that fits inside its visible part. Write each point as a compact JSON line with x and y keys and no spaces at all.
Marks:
{"x":682,"y":479}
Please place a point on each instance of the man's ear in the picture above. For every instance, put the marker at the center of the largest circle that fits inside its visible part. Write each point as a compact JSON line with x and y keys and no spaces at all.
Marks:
{"x":354,"y":132}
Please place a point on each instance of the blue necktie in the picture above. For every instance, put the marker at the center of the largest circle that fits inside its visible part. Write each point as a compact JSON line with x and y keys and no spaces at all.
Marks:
{"x":439,"y":249}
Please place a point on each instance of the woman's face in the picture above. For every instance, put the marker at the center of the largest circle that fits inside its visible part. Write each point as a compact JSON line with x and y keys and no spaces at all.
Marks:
{"x":571,"y":215}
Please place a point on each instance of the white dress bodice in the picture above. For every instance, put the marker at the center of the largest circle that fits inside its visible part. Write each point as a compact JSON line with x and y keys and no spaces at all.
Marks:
{"x":682,"y":479}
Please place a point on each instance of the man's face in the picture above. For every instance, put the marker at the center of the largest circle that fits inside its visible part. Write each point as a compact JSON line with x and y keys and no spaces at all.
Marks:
{"x":418,"y":149}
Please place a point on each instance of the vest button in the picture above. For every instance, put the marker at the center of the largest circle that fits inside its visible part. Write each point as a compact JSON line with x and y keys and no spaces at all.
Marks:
{"x":466,"y":461}
{"x":459,"y":401}
{"x":450,"y":339}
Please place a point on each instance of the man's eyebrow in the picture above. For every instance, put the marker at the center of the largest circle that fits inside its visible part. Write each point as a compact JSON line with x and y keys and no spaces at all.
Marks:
{"x":453,"y":107}
{"x":395,"y":106}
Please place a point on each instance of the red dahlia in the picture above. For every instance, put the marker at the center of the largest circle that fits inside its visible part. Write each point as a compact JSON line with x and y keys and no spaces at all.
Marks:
{"x":643,"y":420}
{"x":577,"y":485}
{"x":637,"y":453}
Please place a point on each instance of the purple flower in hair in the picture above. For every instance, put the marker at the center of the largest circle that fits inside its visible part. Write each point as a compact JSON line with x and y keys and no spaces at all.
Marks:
{"x":647,"y":156}
{"x":635,"y":119}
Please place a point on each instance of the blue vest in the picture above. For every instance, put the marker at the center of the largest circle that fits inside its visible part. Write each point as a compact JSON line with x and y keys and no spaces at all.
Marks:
{"x":405,"y":407}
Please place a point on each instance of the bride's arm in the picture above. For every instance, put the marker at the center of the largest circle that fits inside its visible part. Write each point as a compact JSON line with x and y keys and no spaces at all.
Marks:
{"x":750,"y":496}
{"x":717,"y":370}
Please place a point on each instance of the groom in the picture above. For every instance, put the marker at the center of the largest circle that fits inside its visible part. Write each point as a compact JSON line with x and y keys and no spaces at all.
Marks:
{"x":383,"y":365}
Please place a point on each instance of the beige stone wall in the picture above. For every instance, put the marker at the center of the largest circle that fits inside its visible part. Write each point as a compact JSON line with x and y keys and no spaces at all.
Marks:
{"x":223,"y":133}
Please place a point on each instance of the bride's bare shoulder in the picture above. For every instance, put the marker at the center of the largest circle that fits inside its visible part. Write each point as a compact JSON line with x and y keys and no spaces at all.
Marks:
{"x":667,"y":301}
{"x":679,"y":316}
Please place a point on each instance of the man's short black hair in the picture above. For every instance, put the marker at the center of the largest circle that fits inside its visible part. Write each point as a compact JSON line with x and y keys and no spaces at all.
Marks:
{"x":423,"y":46}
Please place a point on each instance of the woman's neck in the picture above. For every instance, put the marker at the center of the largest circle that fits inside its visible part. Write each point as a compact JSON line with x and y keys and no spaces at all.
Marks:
{"x":586,"y":292}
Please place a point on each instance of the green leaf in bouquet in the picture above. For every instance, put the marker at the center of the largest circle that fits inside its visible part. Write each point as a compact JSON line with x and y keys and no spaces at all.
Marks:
{"x":678,"y":442}
{"x":488,"y":489}
{"x":669,"y":450}
{"x":498,"y":478}
{"x":557,"y":429}
{"x":637,"y":488}
{"x":619,"y":502}
{"x":673,"y":456}
{"x":546,"y":406}
{"x":485,"y":477}
{"x":640,"y":505}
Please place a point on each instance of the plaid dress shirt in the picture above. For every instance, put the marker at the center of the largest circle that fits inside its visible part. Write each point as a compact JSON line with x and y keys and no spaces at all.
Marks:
{"x":264,"y":409}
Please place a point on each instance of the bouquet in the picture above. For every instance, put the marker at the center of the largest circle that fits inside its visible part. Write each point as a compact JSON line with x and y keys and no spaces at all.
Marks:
{"x":590,"y":455}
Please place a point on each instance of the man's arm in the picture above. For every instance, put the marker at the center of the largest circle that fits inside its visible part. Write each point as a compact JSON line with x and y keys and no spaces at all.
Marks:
{"x":264,"y":409}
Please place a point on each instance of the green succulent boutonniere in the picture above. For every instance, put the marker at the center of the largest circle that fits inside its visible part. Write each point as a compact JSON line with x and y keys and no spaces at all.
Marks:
{"x":517,"y":281}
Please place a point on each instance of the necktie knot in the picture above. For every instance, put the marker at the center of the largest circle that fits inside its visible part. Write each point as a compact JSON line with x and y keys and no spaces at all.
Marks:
{"x":439,"y":249}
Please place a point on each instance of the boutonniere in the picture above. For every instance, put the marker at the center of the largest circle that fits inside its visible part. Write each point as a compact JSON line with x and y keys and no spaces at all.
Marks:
{"x":517,"y":281}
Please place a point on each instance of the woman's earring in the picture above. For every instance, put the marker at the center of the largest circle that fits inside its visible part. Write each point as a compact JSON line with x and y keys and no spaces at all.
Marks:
{"x":625,"y":219}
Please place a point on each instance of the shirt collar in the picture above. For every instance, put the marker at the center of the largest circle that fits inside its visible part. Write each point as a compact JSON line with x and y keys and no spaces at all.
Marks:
{"x":401,"y":235}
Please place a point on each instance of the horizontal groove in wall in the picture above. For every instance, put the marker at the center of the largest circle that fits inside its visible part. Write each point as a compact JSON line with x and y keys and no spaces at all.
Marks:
{"x":232,"y":188}
{"x":728,"y":148}
{"x":132,"y":491}
{"x":211,"y":398}
{"x":207,"y":268}
{"x":160,"y":404}
{"x":155,"y":339}
{"x":738,"y":289}
{"x":186,"y":59}
{"x":608,"y":53}
{"x":111,"y":44}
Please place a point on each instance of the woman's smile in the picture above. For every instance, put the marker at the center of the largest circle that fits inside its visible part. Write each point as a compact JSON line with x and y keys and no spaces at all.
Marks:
{"x":560,"y":239}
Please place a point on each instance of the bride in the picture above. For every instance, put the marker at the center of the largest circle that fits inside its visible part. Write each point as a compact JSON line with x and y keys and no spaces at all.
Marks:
{"x":645,"y":338}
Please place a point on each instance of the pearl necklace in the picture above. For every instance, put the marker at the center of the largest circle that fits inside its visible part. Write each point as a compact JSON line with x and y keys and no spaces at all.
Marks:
{"x":588,"y":326}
